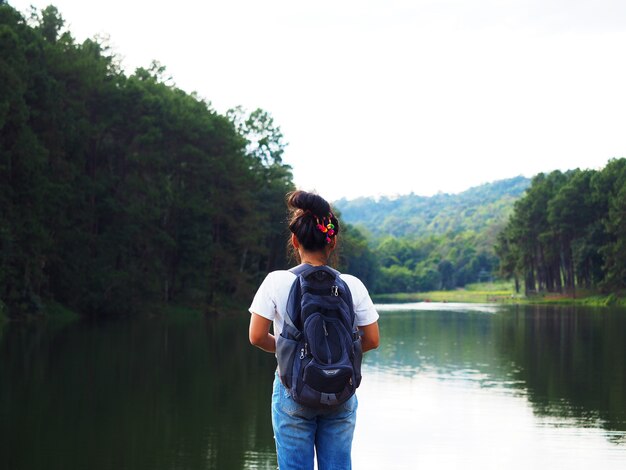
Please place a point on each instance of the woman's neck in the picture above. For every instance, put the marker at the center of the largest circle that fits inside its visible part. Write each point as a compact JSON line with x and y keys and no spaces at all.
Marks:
{"x":314,"y":259}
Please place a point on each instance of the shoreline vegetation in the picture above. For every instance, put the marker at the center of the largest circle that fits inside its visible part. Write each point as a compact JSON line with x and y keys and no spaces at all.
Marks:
{"x":498,"y":292}
{"x":504,"y":292}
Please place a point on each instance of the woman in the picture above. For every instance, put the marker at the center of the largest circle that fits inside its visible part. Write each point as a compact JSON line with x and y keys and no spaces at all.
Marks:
{"x":301,"y":431}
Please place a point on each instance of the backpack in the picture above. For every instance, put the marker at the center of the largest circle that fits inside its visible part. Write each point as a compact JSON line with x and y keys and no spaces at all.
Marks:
{"x":319,"y":349}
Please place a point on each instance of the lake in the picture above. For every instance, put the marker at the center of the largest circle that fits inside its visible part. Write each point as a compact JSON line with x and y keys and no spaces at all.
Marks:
{"x":452,"y":386}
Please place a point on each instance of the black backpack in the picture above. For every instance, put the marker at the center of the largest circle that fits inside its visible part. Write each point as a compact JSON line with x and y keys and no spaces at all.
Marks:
{"x":319,"y":349}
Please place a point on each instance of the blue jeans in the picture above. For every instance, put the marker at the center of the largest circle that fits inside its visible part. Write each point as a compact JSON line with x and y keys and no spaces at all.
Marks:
{"x":298,"y":429}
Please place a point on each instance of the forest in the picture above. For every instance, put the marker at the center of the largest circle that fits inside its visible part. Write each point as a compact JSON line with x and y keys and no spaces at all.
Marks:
{"x":560,"y":232}
{"x":568,"y":232}
{"x":119,"y":192}
{"x":122,"y":193}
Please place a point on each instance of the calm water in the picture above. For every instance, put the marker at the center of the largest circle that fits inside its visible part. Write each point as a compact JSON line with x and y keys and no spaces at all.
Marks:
{"x":452,"y":386}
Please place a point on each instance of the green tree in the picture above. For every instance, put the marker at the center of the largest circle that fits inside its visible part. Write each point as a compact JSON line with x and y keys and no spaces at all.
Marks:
{"x":356,"y":257}
{"x":446,"y":273}
{"x":265,"y":145}
{"x":570,"y":213}
{"x":608,"y":192}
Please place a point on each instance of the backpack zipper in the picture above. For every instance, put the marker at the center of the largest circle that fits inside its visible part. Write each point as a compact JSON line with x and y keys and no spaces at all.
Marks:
{"x":328,"y":353}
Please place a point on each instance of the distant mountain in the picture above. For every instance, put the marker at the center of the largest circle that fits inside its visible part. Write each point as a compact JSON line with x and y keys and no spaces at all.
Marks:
{"x":480,"y":209}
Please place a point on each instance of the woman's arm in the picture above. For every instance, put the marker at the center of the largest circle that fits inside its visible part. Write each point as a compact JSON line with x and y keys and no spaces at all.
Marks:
{"x":259,"y":333}
{"x":371,"y":336}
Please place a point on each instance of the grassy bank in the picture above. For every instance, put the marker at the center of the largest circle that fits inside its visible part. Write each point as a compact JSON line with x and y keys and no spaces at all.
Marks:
{"x":503,"y":292}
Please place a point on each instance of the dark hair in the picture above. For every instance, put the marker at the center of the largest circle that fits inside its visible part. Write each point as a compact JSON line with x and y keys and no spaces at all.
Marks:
{"x":306,"y":211}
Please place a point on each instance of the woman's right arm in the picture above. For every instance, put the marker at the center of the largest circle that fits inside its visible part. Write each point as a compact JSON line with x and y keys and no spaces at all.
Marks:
{"x":371,"y":336}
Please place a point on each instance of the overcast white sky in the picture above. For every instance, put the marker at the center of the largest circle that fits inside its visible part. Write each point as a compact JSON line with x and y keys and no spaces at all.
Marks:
{"x":394,"y":96}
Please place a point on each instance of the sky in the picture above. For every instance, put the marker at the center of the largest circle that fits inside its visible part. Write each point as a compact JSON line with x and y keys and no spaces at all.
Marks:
{"x":389,"y":97}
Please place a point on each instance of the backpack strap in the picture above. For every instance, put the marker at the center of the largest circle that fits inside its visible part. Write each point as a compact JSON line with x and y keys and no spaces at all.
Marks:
{"x":304,"y":268}
{"x":297,"y":270}
{"x":301,"y":269}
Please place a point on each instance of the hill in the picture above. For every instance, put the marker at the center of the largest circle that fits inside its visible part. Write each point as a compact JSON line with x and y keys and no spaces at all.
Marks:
{"x":417,"y":243}
{"x":411,"y":215}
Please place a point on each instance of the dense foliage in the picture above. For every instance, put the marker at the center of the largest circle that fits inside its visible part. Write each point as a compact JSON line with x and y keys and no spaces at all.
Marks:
{"x":413,"y":243}
{"x":569,"y":231}
{"x":118,"y":192}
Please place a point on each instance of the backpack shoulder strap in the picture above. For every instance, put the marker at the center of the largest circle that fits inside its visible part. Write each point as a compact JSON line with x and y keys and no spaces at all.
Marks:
{"x":301,"y":269}
{"x":298,"y":271}
{"x":334,"y":271}
{"x":304,"y":269}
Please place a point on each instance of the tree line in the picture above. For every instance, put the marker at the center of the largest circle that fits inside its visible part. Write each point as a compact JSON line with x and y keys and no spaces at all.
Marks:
{"x":118,"y":192}
{"x":564,"y":233}
{"x":427,"y":263}
{"x":568,"y":232}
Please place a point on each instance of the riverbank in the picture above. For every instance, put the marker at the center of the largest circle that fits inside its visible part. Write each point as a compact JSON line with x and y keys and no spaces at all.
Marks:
{"x":494,"y":292}
{"x":504,"y":292}
{"x":52,"y":310}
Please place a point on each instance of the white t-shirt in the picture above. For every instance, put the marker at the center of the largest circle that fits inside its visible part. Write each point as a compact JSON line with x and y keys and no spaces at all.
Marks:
{"x":270,"y":300}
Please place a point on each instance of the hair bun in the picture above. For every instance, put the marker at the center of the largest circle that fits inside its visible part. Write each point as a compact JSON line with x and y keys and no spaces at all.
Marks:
{"x":306,"y":201}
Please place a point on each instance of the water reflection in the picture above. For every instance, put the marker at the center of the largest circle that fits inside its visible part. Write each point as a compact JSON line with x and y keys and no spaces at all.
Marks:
{"x":439,"y":307}
{"x":424,"y":422}
{"x":134,"y":395}
{"x":573,"y":362}
{"x":517,"y":389}
{"x":455,"y":387}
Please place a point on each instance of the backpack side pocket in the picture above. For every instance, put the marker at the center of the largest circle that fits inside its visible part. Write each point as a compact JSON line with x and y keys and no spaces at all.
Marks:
{"x":286,"y":350}
{"x":357,"y":358}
